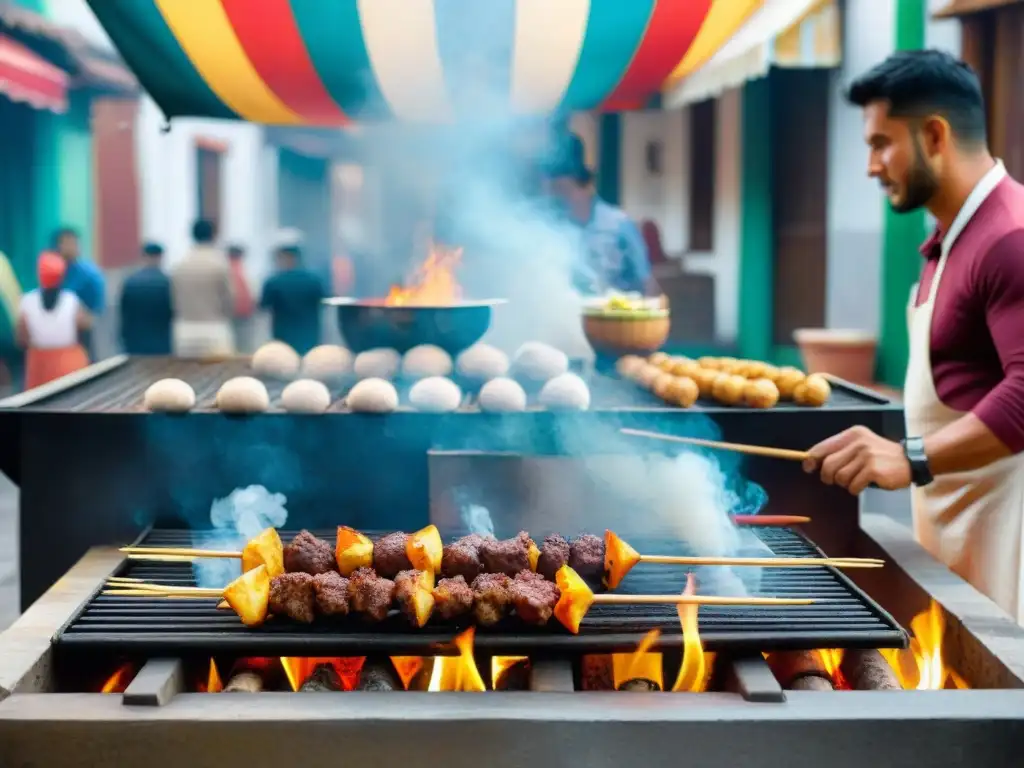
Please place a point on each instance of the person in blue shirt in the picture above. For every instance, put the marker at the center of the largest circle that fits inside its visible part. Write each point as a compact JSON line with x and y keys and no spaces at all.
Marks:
{"x":145,"y":309}
{"x":83,"y":278}
{"x":293,"y":296}
{"x":614,"y":254}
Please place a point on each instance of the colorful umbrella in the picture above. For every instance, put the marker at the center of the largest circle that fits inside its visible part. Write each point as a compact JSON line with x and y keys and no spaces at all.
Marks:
{"x":327,"y":62}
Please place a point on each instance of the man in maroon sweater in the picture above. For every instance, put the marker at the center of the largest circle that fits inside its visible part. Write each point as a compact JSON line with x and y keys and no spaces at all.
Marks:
{"x":964,"y":394}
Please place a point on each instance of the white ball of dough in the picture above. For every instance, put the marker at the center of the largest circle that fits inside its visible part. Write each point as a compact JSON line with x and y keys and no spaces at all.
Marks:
{"x":435,"y":394}
{"x":426,"y":360}
{"x":328,"y":362}
{"x":373,"y":396}
{"x":502,"y":395}
{"x":243,"y":394}
{"x":482,"y":362}
{"x":306,"y":396}
{"x":380,"y":363}
{"x":276,"y":360}
{"x":169,"y":396}
{"x":539,"y":362}
{"x":565,"y":392}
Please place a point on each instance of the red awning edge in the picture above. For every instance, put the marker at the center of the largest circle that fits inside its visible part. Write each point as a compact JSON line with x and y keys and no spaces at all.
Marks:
{"x":29,"y":78}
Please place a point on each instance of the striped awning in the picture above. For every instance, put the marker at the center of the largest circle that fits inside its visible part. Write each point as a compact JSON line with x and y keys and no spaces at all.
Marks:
{"x":28,"y":77}
{"x":327,"y":62}
{"x":782,"y":33}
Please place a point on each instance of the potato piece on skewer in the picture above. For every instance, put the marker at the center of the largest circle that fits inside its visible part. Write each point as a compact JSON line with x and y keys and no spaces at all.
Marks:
{"x":352,"y":551}
{"x":414,"y":594}
{"x":619,"y":559}
{"x":249,"y":596}
{"x":425,"y":549}
{"x":265,"y":549}
{"x":533,"y":553}
{"x":575,"y":599}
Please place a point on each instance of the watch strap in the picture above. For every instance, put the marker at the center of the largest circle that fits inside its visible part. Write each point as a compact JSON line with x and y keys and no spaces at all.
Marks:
{"x":920,"y":471}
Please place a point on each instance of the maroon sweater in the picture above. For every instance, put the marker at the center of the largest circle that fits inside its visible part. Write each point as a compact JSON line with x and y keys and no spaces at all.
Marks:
{"x":977,"y":334}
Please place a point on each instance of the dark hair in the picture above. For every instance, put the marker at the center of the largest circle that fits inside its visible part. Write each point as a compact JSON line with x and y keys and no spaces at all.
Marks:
{"x":290,"y":250}
{"x":61,"y":233}
{"x":235,"y":251}
{"x":204,"y":231}
{"x":568,"y":160}
{"x":49,"y":297}
{"x":153,"y":250}
{"x":922,"y":83}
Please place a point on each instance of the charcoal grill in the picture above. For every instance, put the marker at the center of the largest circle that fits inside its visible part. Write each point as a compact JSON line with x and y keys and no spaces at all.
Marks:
{"x":845,"y":617}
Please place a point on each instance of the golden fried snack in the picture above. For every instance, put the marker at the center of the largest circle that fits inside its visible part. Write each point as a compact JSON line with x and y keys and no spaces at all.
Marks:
{"x":813,"y":391}
{"x":658,"y":358}
{"x":683,"y":392}
{"x":629,"y":365}
{"x":661,"y":385}
{"x":760,"y":393}
{"x":787,"y":380}
{"x":705,"y":379}
{"x":755,"y":369}
{"x":728,"y":388}
{"x":684,"y":367}
{"x":711,"y":363}
{"x":646,"y":376}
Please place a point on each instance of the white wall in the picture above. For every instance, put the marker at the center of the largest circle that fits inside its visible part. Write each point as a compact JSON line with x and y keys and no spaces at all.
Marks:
{"x":942,"y":33}
{"x":77,"y":14}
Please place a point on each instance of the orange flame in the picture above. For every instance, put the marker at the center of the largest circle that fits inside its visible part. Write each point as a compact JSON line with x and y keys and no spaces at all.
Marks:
{"x":457,"y":673}
{"x":695,"y":670}
{"x":213,"y":683}
{"x":432,"y":284}
{"x":407,"y":668}
{"x":298,"y":670}
{"x":499,"y":664}
{"x":118,"y":681}
{"x":921,"y":666}
{"x":641,"y":664}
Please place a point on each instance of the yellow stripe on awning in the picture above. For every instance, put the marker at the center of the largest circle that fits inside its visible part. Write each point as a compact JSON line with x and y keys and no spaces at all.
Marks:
{"x":782,"y":33}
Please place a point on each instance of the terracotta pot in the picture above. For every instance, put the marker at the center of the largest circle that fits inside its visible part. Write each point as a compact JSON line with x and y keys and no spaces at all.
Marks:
{"x":847,"y":354}
{"x":615,"y":335}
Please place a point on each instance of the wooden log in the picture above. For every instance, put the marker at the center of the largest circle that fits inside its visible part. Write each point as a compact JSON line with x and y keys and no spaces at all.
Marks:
{"x":379,"y":675}
{"x":639,"y":684}
{"x":868,"y":671}
{"x":800,"y":671}
{"x":246,"y":681}
{"x":323,"y":679}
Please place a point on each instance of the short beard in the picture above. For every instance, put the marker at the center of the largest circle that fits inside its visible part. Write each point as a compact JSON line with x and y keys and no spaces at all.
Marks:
{"x":921,"y":184}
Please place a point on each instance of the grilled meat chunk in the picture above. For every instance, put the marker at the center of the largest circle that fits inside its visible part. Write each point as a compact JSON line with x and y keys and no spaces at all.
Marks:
{"x":291,"y":595}
{"x":462,"y":558}
{"x":389,"y":557}
{"x":331,"y":590}
{"x":491,"y":597}
{"x":534,"y":597}
{"x":369,"y":594}
{"x":586,"y":557}
{"x":453,"y":598}
{"x":308,"y":554}
{"x":554,"y":553}
{"x":508,"y":556}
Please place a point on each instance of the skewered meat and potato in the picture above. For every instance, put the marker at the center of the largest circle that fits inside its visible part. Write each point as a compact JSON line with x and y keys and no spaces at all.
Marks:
{"x":453,"y":597}
{"x":492,"y":595}
{"x":331,"y":590}
{"x":308,"y":554}
{"x":534,"y":597}
{"x":414,"y":595}
{"x":293,"y":595}
{"x":586,"y":557}
{"x":508,"y":556}
{"x":462,"y":559}
{"x":370,"y":594}
{"x":554,"y":553}
{"x":389,"y":555}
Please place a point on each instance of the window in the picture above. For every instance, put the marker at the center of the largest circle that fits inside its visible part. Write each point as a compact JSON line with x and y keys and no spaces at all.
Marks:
{"x":209,"y":159}
{"x":703,"y":130}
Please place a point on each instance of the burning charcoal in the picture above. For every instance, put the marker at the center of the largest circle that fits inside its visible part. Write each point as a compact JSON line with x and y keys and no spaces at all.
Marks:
{"x":462,"y":558}
{"x":514,"y":677}
{"x":534,"y":597}
{"x":331,"y":590}
{"x":800,"y":671}
{"x":370,"y":595}
{"x":379,"y":675}
{"x":597,"y":673}
{"x":639,"y":684}
{"x":248,"y":681}
{"x":554,"y":553}
{"x":868,"y":671}
{"x":491,"y":596}
{"x":308,"y":554}
{"x":453,"y":598}
{"x":324,"y":679}
{"x":292,"y":595}
{"x":586,"y":557}
{"x":389,"y":557}
{"x":508,"y":556}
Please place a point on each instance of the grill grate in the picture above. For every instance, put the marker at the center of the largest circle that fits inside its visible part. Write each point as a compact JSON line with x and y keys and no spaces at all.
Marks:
{"x":844,"y":618}
{"x":120,"y":390}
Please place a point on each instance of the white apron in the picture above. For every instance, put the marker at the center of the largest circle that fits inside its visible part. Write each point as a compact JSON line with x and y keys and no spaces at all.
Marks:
{"x":971,"y":521}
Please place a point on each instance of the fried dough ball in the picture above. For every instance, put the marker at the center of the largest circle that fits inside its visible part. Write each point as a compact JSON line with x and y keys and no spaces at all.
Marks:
{"x":482,"y":362}
{"x":813,"y":391}
{"x":276,"y":360}
{"x":306,"y":396}
{"x":426,"y":361}
{"x":760,"y":393}
{"x":629,"y":366}
{"x":711,"y":363}
{"x":728,"y":388}
{"x":754,"y":369}
{"x":661,"y":385}
{"x":658,"y":359}
{"x":684,"y":367}
{"x":380,"y":363}
{"x":373,"y":396}
{"x":435,"y":394}
{"x":705,"y":380}
{"x":502,"y":395}
{"x":243,"y":394}
{"x":682,"y":392}
{"x":646,"y":376}
{"x":169,"y":396}
{"x":327,"y":362}
{"x":565,"y":392}
{"x":787,"y":381}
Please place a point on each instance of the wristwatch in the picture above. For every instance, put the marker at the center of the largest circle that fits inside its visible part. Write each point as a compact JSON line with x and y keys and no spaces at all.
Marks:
{"x":920,"y":472}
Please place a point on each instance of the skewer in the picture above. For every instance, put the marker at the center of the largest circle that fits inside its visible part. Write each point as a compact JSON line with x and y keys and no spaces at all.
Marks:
{"x":782,"y":521}
{"x":785,"y":454}
{"x":620,"y":557}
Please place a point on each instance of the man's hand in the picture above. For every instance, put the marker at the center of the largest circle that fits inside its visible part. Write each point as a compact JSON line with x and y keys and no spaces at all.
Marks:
{"x":856,"y":458}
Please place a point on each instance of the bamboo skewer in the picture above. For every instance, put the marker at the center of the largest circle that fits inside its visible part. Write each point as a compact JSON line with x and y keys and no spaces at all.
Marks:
{"x":766,"y":562}
{"x":764,"y":521}
{"x":607,"y":599}
{"x":785,"y":454}
{"x":181,"y":552}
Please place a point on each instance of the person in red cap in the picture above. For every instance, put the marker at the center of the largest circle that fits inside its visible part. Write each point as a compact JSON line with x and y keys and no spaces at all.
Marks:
{"x":49,"y":323}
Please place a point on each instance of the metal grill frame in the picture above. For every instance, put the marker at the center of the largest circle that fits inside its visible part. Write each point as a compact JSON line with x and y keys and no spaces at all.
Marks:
{"x":508,"y":638}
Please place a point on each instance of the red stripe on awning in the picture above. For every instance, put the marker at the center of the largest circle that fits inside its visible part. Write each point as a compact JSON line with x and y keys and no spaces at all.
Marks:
{"x":27,"y":77}
{"x":671,"y":29}
{"x":272,"y":41}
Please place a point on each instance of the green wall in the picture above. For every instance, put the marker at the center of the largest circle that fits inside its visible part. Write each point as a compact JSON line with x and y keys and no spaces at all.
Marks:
{"x":74,"y":151}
